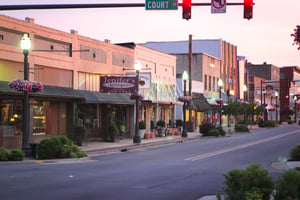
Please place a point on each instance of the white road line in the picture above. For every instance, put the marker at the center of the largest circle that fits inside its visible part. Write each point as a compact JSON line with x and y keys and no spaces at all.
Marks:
{"x":206,"y":155}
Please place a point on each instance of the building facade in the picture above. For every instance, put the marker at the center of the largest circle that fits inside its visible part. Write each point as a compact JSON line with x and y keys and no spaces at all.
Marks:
{"x":70,"y":67}
{"x":264,"y":88}
{"x":290,"y":90}
{"x":211,"y":60}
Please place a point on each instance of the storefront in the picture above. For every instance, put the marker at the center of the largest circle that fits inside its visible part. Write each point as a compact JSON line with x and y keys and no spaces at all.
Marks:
{"x":51,"y":113}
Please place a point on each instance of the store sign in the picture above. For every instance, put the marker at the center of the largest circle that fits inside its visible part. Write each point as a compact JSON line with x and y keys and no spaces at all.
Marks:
{"x":144,"y":77}
{"x":116,"y":84}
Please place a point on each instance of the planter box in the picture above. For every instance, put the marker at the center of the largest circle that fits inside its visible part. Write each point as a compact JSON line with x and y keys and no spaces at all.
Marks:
{"x":293,"y":164}
{"x":141,"y":133}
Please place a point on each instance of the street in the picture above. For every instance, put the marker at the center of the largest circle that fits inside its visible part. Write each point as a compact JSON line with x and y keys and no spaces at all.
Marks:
{"x":186,"y":170}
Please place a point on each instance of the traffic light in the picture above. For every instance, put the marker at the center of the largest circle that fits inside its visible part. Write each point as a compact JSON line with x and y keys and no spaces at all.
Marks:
{"x":248,"y":9}
{"x":186,"y":9}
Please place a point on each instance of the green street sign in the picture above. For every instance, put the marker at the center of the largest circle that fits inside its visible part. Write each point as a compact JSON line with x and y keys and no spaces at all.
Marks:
{"x":161,"y":5}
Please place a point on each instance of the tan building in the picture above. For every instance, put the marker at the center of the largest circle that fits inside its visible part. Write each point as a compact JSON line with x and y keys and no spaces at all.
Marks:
{"x":70,"y":67}
{"x":211,"y":60}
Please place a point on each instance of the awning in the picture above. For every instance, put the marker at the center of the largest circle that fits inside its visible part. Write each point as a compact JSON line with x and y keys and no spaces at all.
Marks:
{"x":109,"y":98}
{"x":200,"y":103}
{"x":59,"y":93}
{"x":48,"y":92}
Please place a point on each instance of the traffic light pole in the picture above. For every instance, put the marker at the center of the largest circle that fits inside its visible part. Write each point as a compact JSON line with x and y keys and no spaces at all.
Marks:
{"x":74,"y":6}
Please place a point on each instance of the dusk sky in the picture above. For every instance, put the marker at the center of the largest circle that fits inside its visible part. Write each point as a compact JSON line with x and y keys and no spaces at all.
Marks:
{"x":265,"y":38}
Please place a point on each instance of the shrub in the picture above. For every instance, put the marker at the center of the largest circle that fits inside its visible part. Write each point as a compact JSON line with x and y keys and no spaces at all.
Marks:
{"x":16,"y":155}
{"x":289,"y":121}
{"x":271,"y":123}
{"x":254,"y":181}
{"x":161,"y":123}
{"x":58,"y":147}
{"x":142,"y":125}
{"x":205,"y":127}
{"x":288,"y":186}
{"x":179,"y":122}
{"x":3,"y":154}
{"x":295,"y":154}
{"x":49,"y":148}
{"x":214,"y":132}
{"x":71,"y":151}
{"x":241,"y":128}
{"x":221,"y":131}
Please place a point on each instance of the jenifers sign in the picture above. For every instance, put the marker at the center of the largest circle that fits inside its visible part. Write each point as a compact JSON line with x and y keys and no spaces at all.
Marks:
{"x":116,"y":84}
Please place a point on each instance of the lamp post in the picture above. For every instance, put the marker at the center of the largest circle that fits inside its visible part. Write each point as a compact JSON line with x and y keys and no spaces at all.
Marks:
{"x":245,"y":89}
{"x":276,"y":106}
{"x":295,"y":107}
{"x":185,"y":77}
{"x":220,"y":84}
{"x":26,"y":45}
{"x":137,"y":138}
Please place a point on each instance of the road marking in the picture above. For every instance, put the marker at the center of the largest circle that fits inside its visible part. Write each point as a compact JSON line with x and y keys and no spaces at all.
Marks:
{"x":207,"y":155}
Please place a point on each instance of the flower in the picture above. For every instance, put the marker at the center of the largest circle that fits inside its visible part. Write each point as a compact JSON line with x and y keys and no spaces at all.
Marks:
{"x":185,"y":98}
{"x":136,"y":96}
{"x":220,"y":101}
{"x":25,"y":85}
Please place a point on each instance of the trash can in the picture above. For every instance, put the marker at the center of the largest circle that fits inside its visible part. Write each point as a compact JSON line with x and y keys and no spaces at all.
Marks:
{"x":33,"y":147}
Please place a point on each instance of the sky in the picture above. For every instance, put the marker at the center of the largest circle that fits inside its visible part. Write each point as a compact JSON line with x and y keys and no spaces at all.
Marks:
{"x":264,"y":38}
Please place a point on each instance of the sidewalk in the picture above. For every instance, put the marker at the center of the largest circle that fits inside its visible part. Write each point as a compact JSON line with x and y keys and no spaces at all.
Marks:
{"x":127,"y":143}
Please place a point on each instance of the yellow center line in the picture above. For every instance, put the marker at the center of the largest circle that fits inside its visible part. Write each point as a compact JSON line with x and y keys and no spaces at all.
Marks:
{"x":207,"y":155}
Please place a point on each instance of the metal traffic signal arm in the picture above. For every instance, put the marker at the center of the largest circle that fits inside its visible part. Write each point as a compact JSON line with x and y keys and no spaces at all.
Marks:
{"x":248,"y":6}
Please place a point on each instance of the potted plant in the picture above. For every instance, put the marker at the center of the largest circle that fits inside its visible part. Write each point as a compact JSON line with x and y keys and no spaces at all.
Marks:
{"x":142,"y":128}
{"x":113,"y":129}
{"x":80,"y":133}
{"x":161,"y":124}
{"x":179,"y":124}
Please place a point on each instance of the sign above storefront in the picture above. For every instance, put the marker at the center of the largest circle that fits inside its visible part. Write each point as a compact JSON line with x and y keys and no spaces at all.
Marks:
{"x":117,"y":84}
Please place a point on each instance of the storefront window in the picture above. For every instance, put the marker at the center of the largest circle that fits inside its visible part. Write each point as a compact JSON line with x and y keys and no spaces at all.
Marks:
{"x":121,"y":117}
{"x":11,"y":117}
{"x":39,"y":120}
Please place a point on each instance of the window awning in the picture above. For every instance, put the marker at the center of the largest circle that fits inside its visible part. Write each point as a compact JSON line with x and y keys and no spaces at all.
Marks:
{"x":109,"y":98}
{"x":200,"y":103}
{"x":48,"y":92}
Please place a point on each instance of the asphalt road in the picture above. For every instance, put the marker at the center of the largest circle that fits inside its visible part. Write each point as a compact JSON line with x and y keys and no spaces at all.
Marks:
{"x":181,"y":171}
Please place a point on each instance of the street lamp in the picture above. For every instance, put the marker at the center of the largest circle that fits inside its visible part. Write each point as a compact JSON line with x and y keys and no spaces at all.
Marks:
{"x":185,"y":77}
{"x":220,"y":84}
{"x":26,"y":45}
{"x":245,"y":89}
{"x":295,"y":107}
{"x":137,"y":138}
{"x":276,"y":106}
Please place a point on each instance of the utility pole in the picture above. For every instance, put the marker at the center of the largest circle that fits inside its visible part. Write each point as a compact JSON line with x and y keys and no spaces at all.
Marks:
{"x":190,"y":76}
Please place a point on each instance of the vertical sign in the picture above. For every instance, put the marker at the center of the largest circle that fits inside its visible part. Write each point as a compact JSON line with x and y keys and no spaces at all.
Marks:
{"x":218,"y":6}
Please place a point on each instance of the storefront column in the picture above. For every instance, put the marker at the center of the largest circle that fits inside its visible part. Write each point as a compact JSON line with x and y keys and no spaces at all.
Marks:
{"x":148,"y":117}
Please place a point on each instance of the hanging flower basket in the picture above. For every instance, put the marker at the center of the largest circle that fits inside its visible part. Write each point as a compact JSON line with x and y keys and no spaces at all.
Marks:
{"x":24,"y":85}
{"x":134,"y":96}
{"x":185,"y":99}
{"x":220,"y":101}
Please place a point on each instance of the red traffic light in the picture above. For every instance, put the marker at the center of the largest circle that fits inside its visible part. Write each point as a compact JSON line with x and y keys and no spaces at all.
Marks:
{"x":186,"y":9}
{"x":248,"y":9}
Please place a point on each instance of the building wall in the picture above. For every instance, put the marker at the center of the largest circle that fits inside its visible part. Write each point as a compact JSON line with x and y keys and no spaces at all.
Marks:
{"x":211,"y":74}
{"x":229,"y":68}
{"x":47,"y":59}
{"x":61,"y":59}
